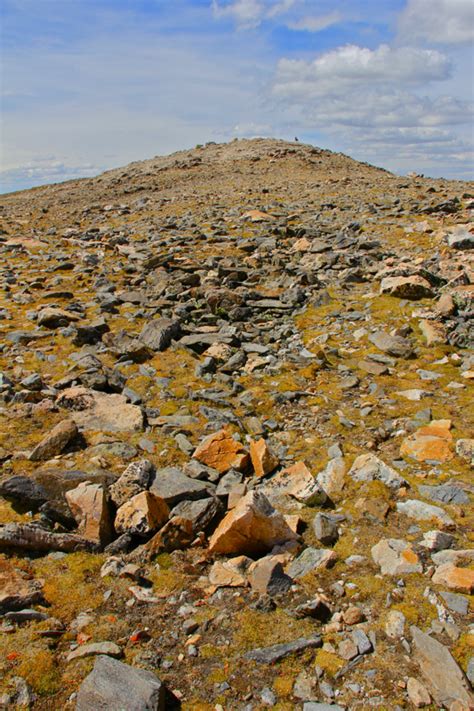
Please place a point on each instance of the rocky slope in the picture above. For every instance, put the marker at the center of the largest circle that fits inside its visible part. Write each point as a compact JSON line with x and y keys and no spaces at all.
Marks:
{"x":236,"y":418}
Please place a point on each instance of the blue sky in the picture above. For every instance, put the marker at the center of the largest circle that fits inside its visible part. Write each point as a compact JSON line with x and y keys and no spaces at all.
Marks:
{"x":93,"y":84}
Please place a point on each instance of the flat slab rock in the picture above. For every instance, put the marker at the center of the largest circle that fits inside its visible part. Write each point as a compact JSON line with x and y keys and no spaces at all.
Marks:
{"x":172,"y":485}
{"x":368,"y":467}
{"x":114,"y":686}
{"x":269,"y":655}
{"x":92,"y":410}
{"x":443,"y":677}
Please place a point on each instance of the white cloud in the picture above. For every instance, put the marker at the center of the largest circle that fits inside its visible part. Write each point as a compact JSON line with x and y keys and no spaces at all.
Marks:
{"x":439,"y":21}
{"x":44,"y":170}
{"x":369,"y":102}
{"x":250,"y":13}
{"x":352,"y":64}
{"x":315,"y":23}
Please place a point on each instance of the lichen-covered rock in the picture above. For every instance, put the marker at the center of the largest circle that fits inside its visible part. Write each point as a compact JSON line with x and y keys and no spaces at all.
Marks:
{"x":222,"y":452}
{"x":396,"y":557}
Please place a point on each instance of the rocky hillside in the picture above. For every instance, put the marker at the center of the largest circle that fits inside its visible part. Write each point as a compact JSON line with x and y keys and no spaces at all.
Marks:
{"x":236,"y":420}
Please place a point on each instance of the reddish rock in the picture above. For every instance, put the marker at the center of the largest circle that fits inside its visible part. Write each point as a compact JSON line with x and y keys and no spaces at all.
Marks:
{"x":253,"y":527}
{"x":17,"y":591}
{"x":222,"y":452}
{"x":450,"y":576}
{"x":432,"y":442}
{"x":89,"y":506}
{"x":230,"y":573}
{"x":175,"y":535}
{"x":263,"y":460}
{"x":417,"y":693}
{"x":268,"y":577}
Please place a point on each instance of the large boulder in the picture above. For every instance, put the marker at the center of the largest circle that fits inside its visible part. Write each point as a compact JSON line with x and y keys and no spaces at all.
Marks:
{"x":254,"y":527}
{"x":114,"y":686}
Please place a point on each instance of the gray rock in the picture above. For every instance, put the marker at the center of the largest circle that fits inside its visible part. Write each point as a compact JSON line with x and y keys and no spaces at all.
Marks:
{"x":325,"y":528}
{"x":114,"y":686}
{"x":173,"y":486}
{"x":321,"y":706}
{"x":202,"y":513}
{"x":23,"y":491}
{"x":135,"y":479}
{"x":159,"y":333}
{"x":443,"y":677}
{"x":460,"y":237}
{"x":368,"y":467}
{"x":413,"y":508}
{"x":445,"y":494}
{"x":363,"y":643}
{"x":396,"y":346}
{"x":309,"y":560}
{"x":396,"y":557}
{"x":470,"y":670}
{"x":456,"y":603}
{"x":268,"y":655}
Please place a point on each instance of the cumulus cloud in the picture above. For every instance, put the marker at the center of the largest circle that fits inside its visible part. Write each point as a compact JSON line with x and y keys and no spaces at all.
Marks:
{"x":376,"y":103}
{"x":352,"y":64}
{"x":439,"y":21}
{"x":44,"y":170}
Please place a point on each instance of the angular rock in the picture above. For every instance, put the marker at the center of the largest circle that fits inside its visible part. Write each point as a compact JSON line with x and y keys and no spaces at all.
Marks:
{"x":418,"y":510}
{"x":263,"y":461}
{"x":133,"y":480}
{"x":368,"y":467}
{"x":310,"y":560}
{"x":445,"y":494}
{"x":253,"y":527}
{"x":396,"y":346}
{"x":55,"y":318}
{"x":30,"y":537}
{"x":230,"y":573}
{"x":24,"y":492}
{"x":222,"y":452}
{"x":269,"y":655}
{"x":113,"y":686}
{"x":298,"y":482}
{"x":202,"y":513}
{"x":443,"y":677}
{"x":395,"y":624}
{"x":331,"y":479}
{"x":450,"y":576}
{"x":159,"y":333}
{"x":173,"y":486}
{"x":396,"y":557}
{"x":89,"y":506}
{"x":16,"y":590}
{"x":325,"y":528}
{"x":430,"y":443}
{"x":417,"y":693}
{"x":267,"y":576}
{"x":145,"y":513}
{"x":93,"y":410}
{"x":411,"y":287}
{"x":55,"y":442}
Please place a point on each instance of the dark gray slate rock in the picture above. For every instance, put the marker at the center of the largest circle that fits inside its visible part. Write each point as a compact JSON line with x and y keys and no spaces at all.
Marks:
{"x":114,"y":686}
{"x":173,"y":486}
{"x":24,"y":492}
{"x":445,"y":494}
{"x":268,"y":655}
{"x":393,"y":345}
{"x":159,"y":333}
{"x":201,"y":513}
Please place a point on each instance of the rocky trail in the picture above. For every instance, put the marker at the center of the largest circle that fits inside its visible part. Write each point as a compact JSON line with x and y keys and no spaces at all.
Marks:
{"x":236,"y":423}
